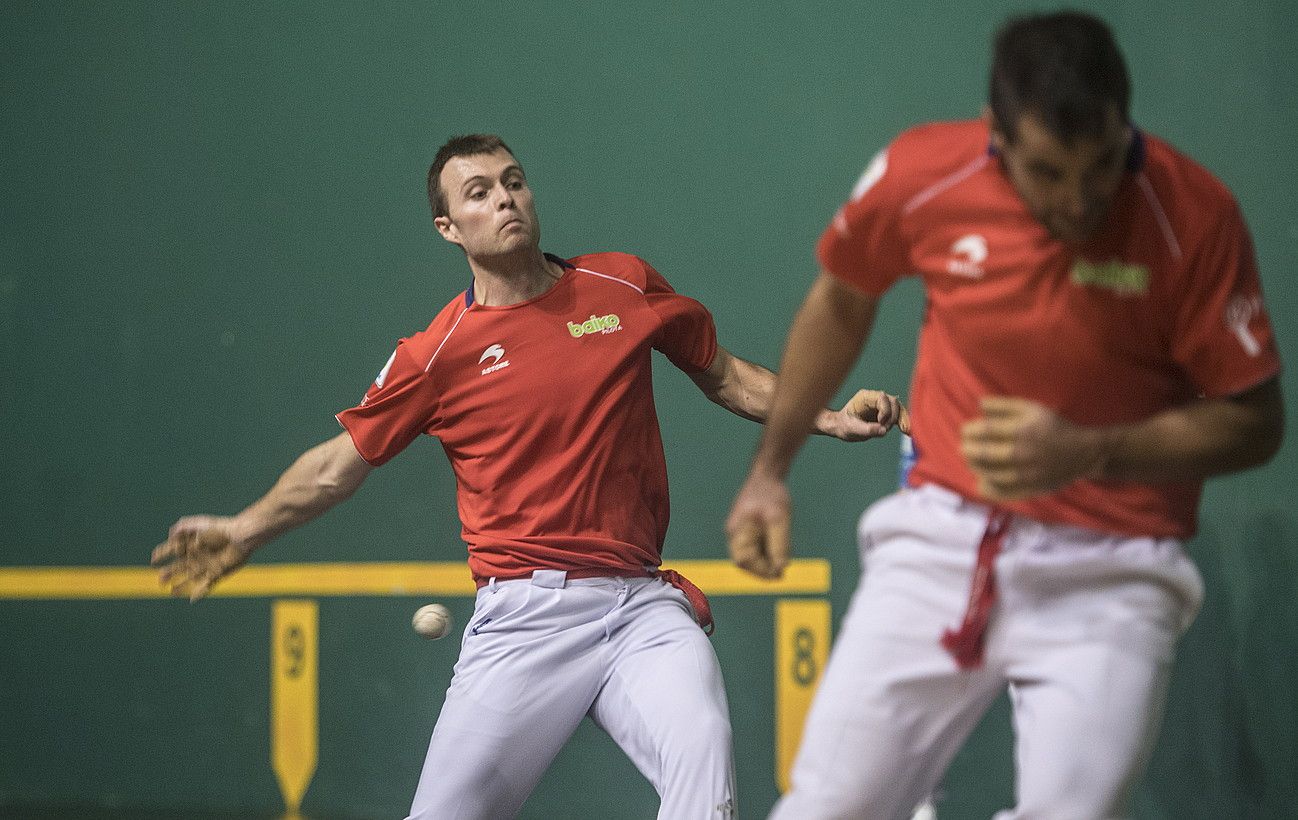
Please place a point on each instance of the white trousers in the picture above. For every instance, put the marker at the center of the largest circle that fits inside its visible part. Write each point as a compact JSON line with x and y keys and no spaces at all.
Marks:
{"x":1083,"y":634}
{"x":541,"y":654}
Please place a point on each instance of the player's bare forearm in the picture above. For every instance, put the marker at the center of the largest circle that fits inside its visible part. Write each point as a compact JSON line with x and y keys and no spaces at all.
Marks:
{"x":747,"y":390}
{"x":1018,"y":448}
{"x":319,"y":479}
{"x":1204,"y":438}
{"x":202,"y":549}
{"x":826,"y":337}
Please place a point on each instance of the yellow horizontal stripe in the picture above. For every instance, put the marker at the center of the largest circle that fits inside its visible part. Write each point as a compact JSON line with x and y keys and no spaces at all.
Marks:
{"x":802,"y":576}
{"x":442,"y":578}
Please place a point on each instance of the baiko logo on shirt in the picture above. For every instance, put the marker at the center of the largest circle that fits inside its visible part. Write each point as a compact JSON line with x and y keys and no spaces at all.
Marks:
{"x":595,"y":324}
{"x":1119,"y":277}
{"x":495,"y":353}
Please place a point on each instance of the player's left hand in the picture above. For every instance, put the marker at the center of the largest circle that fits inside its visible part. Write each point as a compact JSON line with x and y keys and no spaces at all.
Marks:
{"x":868,"y":414}
{"x":1019,"y":448}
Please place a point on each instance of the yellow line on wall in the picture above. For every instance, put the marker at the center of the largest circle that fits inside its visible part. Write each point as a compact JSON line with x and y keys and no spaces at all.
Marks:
{"x":443,"y":578}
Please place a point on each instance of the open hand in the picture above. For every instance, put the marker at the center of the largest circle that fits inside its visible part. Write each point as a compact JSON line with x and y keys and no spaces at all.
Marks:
{"x":199,"y":551}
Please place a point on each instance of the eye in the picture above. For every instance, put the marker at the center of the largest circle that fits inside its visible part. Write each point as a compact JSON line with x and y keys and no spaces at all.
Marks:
{"x":514,"y":184}
{"x":477,"y":193}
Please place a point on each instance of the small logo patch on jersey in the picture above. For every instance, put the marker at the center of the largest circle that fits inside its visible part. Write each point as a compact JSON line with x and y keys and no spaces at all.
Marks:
{"x":967,"y":256}
{"x":495,"y":353}
{"x":1119,"y":277}
{"x":1239,"y":313}
{"x":595,"y":324}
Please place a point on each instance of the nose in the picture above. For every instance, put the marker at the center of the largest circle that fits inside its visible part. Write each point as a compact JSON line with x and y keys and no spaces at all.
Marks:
{"x":1077,"y":201}
{"x":504,"y":197}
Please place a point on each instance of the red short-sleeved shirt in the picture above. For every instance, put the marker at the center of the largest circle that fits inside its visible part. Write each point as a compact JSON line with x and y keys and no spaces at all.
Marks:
{"x":1164,"y":304}
{"x":545,"y":410}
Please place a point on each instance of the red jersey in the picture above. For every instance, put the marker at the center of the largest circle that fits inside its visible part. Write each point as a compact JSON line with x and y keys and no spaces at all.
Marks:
{"x":545,"y":410}
{"x":1162,"y":305}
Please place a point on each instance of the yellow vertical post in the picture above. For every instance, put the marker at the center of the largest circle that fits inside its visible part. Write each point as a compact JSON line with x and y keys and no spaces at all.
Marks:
{"x":801,"y":650}
{"x":294,"y":653}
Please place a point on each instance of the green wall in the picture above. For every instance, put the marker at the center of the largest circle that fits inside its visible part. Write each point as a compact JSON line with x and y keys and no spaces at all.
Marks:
{"x":214,"y":228}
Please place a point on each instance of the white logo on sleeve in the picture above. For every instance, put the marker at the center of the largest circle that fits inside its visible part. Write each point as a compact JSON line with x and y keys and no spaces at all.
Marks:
{"x":967,"y":256}
{"x":383,"y":374}
{"x":1241,"y":310}
{"x":495,"y":353}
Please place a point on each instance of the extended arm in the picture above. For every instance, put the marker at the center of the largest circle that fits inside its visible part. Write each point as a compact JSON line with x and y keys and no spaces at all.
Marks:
{"x":747,"y":389}
{"x":202,"y":549}
{"x":1019,"y":448}
{"x":814,"y":365}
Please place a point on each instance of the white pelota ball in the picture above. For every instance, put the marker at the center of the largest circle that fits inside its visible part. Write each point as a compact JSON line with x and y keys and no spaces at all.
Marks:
{"x":432,"y":621}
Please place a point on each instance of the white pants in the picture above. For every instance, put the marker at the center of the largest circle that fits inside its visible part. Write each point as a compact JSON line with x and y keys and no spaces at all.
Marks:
{"x":1083,"y":634}
{"x":541,"y":654}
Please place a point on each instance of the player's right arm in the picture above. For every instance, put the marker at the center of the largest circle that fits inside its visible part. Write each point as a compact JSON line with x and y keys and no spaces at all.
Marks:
{"x":202,"y":549}
{"x":814,"y":365}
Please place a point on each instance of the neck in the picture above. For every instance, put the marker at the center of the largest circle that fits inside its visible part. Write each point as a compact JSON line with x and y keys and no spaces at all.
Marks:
{"x":508,"y":280}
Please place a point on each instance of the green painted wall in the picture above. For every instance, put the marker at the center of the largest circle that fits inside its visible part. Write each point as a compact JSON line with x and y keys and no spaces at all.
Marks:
{"x":213,"y":228}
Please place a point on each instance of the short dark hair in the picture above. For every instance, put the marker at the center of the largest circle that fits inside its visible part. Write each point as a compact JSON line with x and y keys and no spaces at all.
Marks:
{"x":1063,"y":67}
{"x":462,"y":146}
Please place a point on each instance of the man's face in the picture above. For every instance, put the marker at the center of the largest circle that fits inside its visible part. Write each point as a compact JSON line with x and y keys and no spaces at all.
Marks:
{"x":1067,"y":187}
{"x":489,"y":206}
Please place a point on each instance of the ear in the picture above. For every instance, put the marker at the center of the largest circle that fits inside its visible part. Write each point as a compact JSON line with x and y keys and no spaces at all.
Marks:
{"x":447,"y":229}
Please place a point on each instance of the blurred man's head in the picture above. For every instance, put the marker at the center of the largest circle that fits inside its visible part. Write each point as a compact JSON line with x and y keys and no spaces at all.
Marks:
{"x":1058,"y":106}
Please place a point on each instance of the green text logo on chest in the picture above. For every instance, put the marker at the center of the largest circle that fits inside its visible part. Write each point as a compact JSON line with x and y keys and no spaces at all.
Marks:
{"x":1121,"y":278}
{"x":595,"y":324}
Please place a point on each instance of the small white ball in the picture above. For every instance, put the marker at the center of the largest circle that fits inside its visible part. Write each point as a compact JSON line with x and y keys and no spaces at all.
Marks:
{"x":432,"y":621}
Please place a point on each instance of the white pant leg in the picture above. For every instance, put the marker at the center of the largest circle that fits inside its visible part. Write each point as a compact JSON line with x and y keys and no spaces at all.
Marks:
{"x":527,"y":673}
{"x":1089,"y":633}
{"x":664,"y":704}
{"x":893,"y":708}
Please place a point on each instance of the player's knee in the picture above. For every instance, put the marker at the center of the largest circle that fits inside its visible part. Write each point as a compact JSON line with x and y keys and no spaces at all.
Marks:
{"x":701,"y":744}
{"x":712,"y":738}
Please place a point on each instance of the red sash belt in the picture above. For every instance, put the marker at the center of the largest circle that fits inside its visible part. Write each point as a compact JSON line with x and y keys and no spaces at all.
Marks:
{"x":966,"y":643}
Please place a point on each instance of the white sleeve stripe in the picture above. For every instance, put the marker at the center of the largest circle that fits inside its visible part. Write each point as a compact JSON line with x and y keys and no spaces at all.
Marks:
{"x":444,"y":340}
{"x":949,"y":181}
{"x":1161,"y":215}
{"x":612,"y":278}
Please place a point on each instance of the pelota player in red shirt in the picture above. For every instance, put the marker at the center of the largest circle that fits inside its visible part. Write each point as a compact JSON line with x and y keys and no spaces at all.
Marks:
{"x":1094,"y":345}
{"x":537,"y":382}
